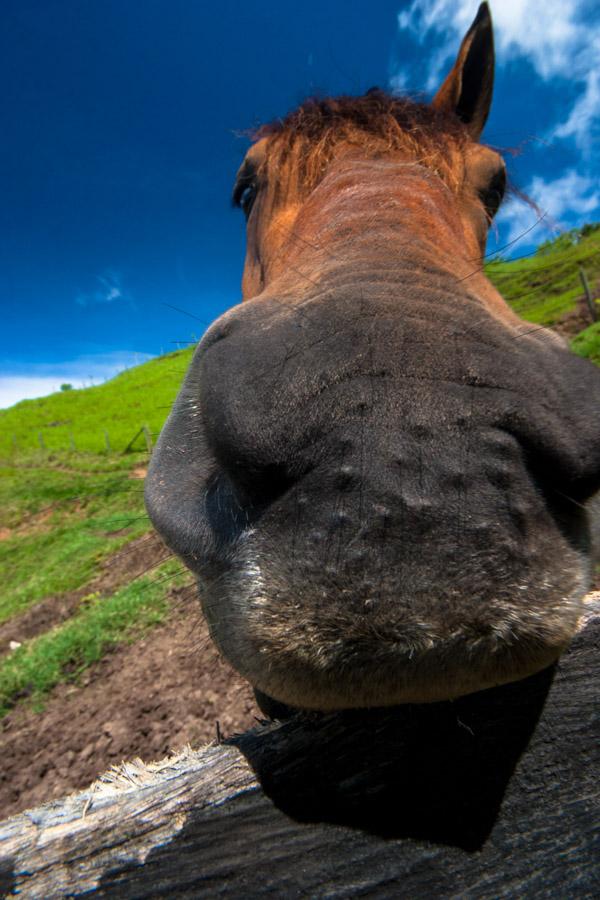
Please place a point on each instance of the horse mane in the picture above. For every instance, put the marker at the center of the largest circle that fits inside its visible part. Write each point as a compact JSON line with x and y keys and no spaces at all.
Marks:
{"x":378,"y":124}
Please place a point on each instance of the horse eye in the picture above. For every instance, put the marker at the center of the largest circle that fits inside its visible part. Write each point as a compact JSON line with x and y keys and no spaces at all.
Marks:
{"x":247,"y":198}
{"x":492,"y":195}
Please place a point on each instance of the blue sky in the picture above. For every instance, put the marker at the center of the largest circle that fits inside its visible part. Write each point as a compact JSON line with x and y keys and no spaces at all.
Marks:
{"x":122,"y":126}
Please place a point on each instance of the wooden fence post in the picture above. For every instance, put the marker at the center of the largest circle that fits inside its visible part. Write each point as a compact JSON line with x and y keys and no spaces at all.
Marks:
{"x":72,"y":444}
{"x":148,"y":437}
{"x":106,"y":440}
{"x":588,"y":294}
{"x":41,"y":440}
{"x":132,"y":441}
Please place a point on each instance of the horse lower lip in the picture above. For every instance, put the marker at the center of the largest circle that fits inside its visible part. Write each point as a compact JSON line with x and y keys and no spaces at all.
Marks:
{"x":329,"y":654}
{"x":374,"y":681}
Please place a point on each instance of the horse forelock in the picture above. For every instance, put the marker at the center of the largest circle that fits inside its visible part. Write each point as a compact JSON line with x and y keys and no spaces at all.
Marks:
{"x":300,"y":146}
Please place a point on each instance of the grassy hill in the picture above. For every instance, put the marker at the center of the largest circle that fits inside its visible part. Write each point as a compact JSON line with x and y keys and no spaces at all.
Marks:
{"x":545,"y":287}
{"x":69,"y":503}
{"x":65,"y":513}
{"x":83,"y":419}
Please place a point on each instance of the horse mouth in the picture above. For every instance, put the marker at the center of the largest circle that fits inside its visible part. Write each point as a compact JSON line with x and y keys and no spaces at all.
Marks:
{"x":349,"y":674}
{"x":340,"y":652}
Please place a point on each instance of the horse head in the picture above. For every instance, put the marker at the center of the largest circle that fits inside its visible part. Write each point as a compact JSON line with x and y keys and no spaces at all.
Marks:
{"x":376,"y":470}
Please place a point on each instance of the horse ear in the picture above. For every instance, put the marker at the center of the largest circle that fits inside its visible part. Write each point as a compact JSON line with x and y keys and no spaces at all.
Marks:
{"x":467,"y":89}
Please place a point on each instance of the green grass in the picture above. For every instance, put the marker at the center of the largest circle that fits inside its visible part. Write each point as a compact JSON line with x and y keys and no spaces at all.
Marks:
{"x":543,"y":287}
{"x":65,"y":528}
{"x":27,"y":491}
{"x":63,"y":653}
{"x":61,"y":507}
{"x":587,"y":343}
{"x":139,"y":396}
{"x":63,"y":559}
{"x":63,"y":512}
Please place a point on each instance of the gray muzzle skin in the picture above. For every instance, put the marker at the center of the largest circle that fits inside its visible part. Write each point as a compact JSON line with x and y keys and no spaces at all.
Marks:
{"x":381,"y":507}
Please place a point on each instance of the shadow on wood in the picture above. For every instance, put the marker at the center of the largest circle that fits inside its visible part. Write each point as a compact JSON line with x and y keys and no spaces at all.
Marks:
{"x":434,"y":772}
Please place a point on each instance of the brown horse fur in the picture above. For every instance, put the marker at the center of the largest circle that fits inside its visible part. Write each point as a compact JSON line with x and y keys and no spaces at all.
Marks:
{"x":377,"y":125}
{"x":377,"y":471}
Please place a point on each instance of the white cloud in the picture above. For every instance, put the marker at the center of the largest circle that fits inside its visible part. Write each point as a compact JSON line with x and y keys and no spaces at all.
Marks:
{"x":564,"y":201}
{"x":15,"y":387}
{"x":583,"y":123}
{"x":108,"y":289}
{"x":559,"y":38}
{"x":552,"y":34}
{"x":19,"y":381}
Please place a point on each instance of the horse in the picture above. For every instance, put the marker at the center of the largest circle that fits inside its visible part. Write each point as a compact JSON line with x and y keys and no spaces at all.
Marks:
{"x":377,"y":472}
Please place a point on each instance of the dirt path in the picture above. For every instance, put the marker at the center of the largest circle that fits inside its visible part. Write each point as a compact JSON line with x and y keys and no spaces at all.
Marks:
{"x":141,"y":700}
{"x":574,"y":321}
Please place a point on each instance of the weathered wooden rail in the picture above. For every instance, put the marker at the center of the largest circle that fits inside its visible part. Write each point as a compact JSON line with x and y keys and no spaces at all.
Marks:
{"x":493,"y":795}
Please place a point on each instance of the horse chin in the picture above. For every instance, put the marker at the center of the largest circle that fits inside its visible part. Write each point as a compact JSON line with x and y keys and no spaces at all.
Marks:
{"x":328,"y":663}
{"x":363,"y":683}
{"x":402,"y":688}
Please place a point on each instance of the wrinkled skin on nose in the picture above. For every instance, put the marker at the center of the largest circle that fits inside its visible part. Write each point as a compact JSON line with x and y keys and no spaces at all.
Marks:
{"x":380,"y":476}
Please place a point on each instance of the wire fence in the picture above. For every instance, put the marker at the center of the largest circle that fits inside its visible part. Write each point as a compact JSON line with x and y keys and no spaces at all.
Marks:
{"x":143,"y":439}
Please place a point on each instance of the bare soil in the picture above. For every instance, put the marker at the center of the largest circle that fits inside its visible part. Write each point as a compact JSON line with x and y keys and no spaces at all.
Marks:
{"x":35,"y":523}
{"x":571,"y":323}
{"x":143,"y":699}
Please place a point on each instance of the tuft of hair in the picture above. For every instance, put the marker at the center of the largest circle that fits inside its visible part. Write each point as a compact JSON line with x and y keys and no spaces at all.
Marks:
{"x":377,"y":124}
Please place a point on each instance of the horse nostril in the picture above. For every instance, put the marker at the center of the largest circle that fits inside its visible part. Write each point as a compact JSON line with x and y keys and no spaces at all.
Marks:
{"x":234,"y":501}
{"x":261,"y":486}
{"x":228,"y":517}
